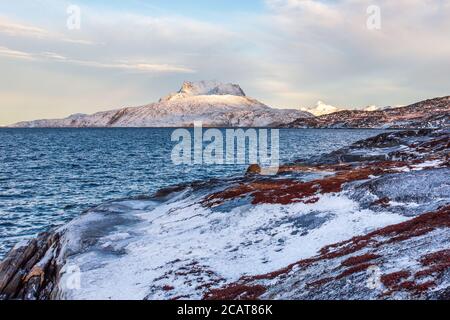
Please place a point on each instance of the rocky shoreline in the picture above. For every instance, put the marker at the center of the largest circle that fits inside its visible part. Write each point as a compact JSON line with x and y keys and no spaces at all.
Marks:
{"x":398,"y":247}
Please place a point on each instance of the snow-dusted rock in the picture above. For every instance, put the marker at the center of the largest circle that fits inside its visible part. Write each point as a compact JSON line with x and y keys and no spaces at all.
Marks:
{"x":321,"y":109}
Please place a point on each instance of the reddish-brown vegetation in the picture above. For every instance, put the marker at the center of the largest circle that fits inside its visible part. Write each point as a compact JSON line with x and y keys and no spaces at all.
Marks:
{"x":320,"y":282}
{"x":412,"y":228}
{"x":392,"y":279}
{"x":233,"y":292}
{"x":438,"y":261}
{"x":352,"y":261}
{"x":168,"y":288}
{"x":286,"y":191}
{"x":353,"y":270}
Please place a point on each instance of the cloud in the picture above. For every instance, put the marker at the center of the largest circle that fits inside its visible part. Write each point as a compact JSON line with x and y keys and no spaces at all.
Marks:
{"x":123,"y":65}
{"x":136,"y":66}
{"x":330,"y":50}
{"x":20,"y":30}
{"x":6,"y":52}
{"x":16,"y":29}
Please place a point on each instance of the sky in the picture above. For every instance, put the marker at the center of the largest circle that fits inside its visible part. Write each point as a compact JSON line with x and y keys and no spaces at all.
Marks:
{"x":285,"y":53}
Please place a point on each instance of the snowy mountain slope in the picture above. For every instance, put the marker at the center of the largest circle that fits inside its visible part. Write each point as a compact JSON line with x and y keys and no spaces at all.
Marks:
{"x":206,"y":88}
{"x":321,"y":109}
{"x":213,"y":103}
{"x":432,"y":113}
{"x":314,"y":231}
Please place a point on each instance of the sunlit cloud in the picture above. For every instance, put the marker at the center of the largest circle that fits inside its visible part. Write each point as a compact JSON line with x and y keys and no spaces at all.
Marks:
{"x":16,"y":29}
{"x":122,"y":65}
{"x":6,"y":52}
{"x":20,"y":30}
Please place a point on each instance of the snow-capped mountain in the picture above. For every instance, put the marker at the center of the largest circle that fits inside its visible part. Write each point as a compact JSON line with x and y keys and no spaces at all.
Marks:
{"x":214,"y":103}
{"x":432,"y":113}
{"x":321,"y":109}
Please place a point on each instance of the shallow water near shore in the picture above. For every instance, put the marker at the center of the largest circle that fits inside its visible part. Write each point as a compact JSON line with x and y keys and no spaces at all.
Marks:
{"x":50,"y":176}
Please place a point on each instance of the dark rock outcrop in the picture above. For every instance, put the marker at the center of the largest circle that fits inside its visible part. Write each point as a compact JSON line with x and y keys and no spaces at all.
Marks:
{"x":30,"y":271}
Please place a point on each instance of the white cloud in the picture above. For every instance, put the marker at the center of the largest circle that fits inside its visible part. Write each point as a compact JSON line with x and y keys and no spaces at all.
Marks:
{"x":138,"y":66}
{"x":329,"y":49}
{"x":21,"y":30}
{"x":16,"y":29}
{"x":6,"y":52}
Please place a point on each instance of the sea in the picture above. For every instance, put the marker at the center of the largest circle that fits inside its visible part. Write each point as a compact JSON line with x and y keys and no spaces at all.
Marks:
{"x":51,"y":176}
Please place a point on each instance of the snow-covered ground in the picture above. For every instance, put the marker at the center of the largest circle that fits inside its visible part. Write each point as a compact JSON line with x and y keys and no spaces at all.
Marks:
{"x":184,"y":246}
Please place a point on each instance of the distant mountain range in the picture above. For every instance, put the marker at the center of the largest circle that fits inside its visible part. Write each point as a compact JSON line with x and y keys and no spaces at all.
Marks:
{"x":217,"y":104}
{"x":214,"y":103}
{"x":432,"y":113}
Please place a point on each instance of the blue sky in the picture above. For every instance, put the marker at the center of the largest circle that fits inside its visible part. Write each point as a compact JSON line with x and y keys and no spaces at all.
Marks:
{"x":286,"y":53}
{"x":196,"y":9}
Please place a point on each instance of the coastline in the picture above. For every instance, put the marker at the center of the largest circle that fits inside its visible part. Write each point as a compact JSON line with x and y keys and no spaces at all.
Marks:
{"x":33,"y":271}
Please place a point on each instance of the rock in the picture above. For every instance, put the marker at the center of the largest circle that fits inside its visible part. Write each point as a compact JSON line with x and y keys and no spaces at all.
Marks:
{"x":253,"y":169}
{"x":30,"y":269}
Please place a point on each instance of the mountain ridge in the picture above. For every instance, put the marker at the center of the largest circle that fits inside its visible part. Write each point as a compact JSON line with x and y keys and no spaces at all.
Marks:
{"x":214,"y":103}
{"x":218,"y":104}
{"x":430,"y":113}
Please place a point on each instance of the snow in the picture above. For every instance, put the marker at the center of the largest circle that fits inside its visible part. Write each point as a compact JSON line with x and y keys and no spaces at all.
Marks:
{"x":321,"y":109}
{"x":213,"y":103}
{"x":201,"y":88}
{"x":171,"y":236}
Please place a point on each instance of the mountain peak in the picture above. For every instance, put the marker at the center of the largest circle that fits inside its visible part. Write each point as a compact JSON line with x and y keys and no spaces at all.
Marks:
{"x":321,"y":108}
{"x":206,"y":88}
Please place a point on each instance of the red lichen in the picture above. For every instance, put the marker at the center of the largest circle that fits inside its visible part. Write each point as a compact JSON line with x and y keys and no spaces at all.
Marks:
{"x":422,"y":224}
{"x":392,"y":279}
{"x":438,"y":262}
{"x":286,"y":191}
{"x":418,"y":226}
{"x":352,"y":261}
{"x":320,"y":282}
{"x":439,"y":257}
{"x":414,"y":287}
{"x":168,"y":288}
{"x":353,"y":270}
{"x":233,"y":292}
